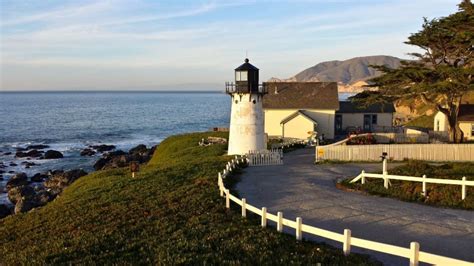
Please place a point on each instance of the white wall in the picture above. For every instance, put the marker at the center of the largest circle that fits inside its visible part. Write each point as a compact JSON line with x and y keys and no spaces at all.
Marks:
{"x":440,"y":122}
{"x":246,"y":130}
{"x":298,"y":127}
{"x":466,"y":128}
{"x":324,"y":118}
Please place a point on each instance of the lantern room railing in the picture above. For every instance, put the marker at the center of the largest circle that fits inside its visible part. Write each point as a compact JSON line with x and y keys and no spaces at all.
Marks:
{"x":231,"y":87}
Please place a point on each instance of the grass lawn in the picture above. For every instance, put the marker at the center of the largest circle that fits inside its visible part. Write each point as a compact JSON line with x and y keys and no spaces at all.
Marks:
{"x":170,"y":214}
{"x":423,"y":121}
{"x":437,"y":194}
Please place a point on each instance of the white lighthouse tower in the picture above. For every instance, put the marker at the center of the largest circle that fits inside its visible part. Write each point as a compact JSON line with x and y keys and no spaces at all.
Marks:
{"x":246,"y":131}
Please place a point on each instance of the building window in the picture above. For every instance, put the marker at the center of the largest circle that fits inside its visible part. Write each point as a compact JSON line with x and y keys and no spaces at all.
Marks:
{"x":472,"y":130}
{"x":437,"y":125}
{"x":241,"y":76}
{"x":374,"y":119}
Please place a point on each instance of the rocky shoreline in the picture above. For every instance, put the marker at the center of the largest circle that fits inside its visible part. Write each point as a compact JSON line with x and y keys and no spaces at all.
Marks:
{"x":29,"y":192}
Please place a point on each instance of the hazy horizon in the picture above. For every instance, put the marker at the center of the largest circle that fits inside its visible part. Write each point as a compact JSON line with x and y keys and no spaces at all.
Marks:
{"x":193,"y":45}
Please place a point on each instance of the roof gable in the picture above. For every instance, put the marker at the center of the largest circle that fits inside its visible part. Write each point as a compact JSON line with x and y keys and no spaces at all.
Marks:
{"x":298,"y":113}
{"x":301,"y":95}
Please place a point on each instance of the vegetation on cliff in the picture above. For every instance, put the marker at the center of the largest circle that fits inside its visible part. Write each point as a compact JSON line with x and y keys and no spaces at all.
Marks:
{"x":170,"y":214}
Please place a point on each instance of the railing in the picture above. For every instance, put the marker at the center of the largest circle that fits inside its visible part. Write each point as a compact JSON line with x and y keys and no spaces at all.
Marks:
{"x":269,"y":157}
{"x":413,"y":253}
{"x":424,"y":180}
{"x":231,"y":87}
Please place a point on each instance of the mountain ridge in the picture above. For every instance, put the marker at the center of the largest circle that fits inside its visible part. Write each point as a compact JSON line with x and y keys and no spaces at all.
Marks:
{"x":347,"y":72}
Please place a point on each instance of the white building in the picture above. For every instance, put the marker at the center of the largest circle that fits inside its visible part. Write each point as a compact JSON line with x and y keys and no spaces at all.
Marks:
{"x":465,"y":121}
{"x":299,"y":109}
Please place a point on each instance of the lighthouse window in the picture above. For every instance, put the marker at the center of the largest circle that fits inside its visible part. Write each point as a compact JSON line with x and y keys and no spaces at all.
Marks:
{"x":241,"y":76}
{"x":254,"y":101}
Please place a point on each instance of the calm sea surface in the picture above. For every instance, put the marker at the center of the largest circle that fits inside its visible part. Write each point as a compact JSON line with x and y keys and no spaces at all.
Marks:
{"x":70,"y":121}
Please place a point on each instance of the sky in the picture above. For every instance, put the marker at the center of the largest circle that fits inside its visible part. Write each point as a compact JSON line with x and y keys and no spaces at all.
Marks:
{"x":193,"y":45}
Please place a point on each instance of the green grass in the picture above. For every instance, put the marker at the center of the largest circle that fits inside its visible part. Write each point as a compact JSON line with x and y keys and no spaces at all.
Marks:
{"x":170,"y":214}
{"x":437,"y":194}
{"x":423,"y":121}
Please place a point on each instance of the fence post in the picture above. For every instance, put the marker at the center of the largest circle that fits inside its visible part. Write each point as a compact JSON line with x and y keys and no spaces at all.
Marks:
{"x":423,"y":187}
{"x":264,"y":217}
{"x":463,"y":192}
{"x":221,"y":185}
{"x":362,"y":180}
{"x":414,"y":253}
{"x":299,"y":232}
{"x":346,"y":246}
{"x":244,"y":208}
{"x":280,"y":222}
{"x":227,"y":199}
{"x":385,"y":173}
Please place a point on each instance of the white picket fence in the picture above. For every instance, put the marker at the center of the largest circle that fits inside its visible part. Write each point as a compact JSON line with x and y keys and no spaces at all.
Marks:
{"x":397,"y":152}
{"x":266,"y":157}
{"x":288,"y":143}
{"x":412,"y":253}
{"x":424,"y":180}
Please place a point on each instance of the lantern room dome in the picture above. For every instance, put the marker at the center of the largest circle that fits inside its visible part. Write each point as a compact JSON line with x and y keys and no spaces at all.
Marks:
{"x":246,"y":66}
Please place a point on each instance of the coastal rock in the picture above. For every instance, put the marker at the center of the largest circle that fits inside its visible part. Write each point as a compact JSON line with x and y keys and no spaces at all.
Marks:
{"x":140,"y":149}
{"x":37,"y":147}
{"x":20,"y":179}
{"x":38,"y":177}
{"x":103,"y":147}
{"x":52,"y":154}
{"x":32,"y":153}
{"x":117,"y":159}
{"x":24,"y":205}
{"x":43,"y":197}
{"x":21,"y":149}
{"x":4,"y":211}
{"x":87,"y":152}
{"x":27,"y":164}
{"x":100,"y":164}
{"x":21,"y":192}
{"x":61,"y":180}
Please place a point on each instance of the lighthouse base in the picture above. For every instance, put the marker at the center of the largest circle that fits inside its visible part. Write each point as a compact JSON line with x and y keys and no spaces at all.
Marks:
{"x":246,"y":132}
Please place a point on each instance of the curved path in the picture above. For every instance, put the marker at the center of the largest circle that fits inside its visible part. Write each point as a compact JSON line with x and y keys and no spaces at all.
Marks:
{"x":300,"y":188}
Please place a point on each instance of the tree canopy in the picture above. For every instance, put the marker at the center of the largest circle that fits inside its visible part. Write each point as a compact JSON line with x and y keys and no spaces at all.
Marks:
{"x":442,"y":72}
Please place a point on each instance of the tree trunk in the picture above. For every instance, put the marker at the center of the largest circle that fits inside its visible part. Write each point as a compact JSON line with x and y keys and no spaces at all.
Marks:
{"x":454,"y":131}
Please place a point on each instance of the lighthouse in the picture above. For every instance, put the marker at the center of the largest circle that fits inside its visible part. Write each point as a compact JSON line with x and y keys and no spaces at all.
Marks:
{"x":246,"y":132}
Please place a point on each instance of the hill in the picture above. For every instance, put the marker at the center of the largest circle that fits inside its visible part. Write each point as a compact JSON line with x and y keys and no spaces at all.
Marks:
{"x":347,"y":71}
{"x":170,"y":214}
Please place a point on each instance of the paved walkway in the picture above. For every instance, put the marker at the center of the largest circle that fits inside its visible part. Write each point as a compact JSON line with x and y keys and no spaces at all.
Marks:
{"x":300,"y":188}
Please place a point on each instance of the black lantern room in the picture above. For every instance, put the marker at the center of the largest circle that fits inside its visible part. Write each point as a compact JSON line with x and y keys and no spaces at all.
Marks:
{"x":246,"y":79}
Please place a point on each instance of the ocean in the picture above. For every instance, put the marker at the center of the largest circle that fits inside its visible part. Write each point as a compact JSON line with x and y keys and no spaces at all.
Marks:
{"x":70,"y":121}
